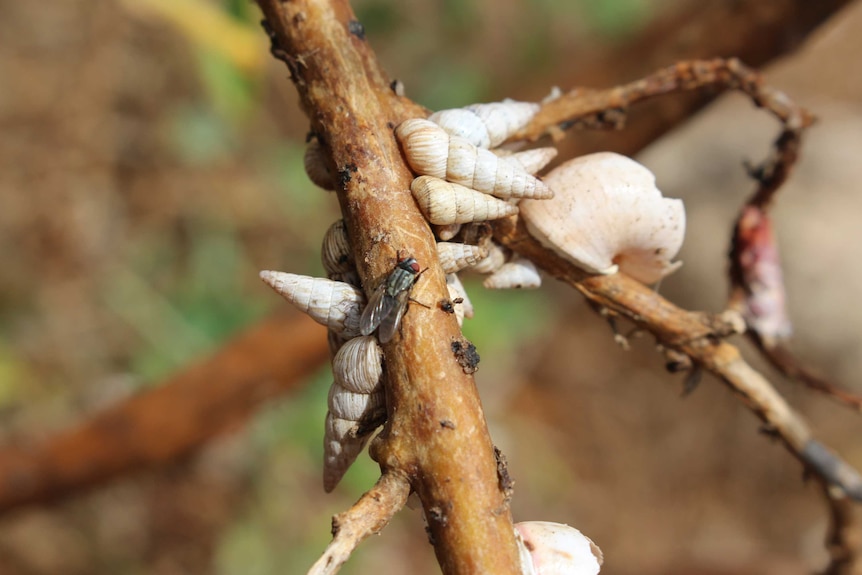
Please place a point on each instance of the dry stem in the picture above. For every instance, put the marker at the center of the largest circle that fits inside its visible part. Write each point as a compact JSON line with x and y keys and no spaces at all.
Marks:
{"x":436,"y":434}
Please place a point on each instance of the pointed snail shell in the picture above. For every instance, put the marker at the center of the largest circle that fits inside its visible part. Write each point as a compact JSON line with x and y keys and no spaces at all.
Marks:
{"x":533,"y":161}
{"x":455,"y":257}
{"x":317,"y":166}
{"x":337,"y":305}
{"x":495,"y":259}
{"x":358,"y":364}
{"x":446,"y":203}
{"x":548,"y":548}
{"x":346,"y":404}
{"x":608,"y":215}
{"x":520,"y":273}
{"x":341,"y":447}
{"x":456,"y":290}
{"x":336,"y":255}
{"x":431,"y":151}
{"x":486,"y":125}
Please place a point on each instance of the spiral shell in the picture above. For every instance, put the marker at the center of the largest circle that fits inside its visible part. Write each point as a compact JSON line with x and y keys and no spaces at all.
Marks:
{"x":486,"y":125}
{"x":533,"y":161}
{"x":352,"y":406}
{"x":556,"y":549}
{"x":520,"y":273}
{"x":336,"y":255}
{"x":445,"y":203}
{"x":317,"y":166}
{"x":455,"y":257}
{"x":493,"y":261}
{"x":358,"y":364}
{"x":456,"y":290}
{"x":337,"y":305}
{"x":608,"y":215}
{"x":341,"y":447}
{"x":431,"y":151}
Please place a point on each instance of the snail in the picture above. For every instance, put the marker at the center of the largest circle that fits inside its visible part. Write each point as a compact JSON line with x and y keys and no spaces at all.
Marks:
{"x":455,"y":257}
{"x":431,"y":151}
{"x":486,"y":125}
{"x":531,"y":160}
{"x":607,"y":215}
{"x":548,"y":548}
{"x":446,"y":203}
{"x":519,"y":273}
{"x":336,"y":255}
{"x":337,"y":305}
{"x":317,"y":166}
{"x":357,"y":405}
{"x":496,"y":258}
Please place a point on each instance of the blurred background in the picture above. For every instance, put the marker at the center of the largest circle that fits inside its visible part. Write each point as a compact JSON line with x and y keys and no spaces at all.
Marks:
{"x":151,"y":164}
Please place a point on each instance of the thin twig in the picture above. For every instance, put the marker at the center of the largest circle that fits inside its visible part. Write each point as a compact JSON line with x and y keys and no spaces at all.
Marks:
{"x":368,"y":516}
{"x":844,"y":539}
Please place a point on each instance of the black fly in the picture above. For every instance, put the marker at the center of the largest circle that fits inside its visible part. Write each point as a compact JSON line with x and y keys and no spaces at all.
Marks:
{"x":389,"y":301}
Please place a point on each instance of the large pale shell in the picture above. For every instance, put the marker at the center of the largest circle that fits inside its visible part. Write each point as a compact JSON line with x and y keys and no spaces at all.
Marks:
{"x":486,"y":125}
{"x":446,"y":203}
{"x":494,"y":261}
{"x":337,"y":305}
{"x":431,"y":151}
{"x":457,"y":290}
{"x":455,"y":257}
{"x":531,"y":160}
{"x":608,"y":215}
{"x":345,"y":404}
{"x":556,"y":549}
{"x":335,"y":251}
{"x":341,"y":447}
{"x":317,"y":166}
{"x":358,"y":364}
{"x":520,"y":273}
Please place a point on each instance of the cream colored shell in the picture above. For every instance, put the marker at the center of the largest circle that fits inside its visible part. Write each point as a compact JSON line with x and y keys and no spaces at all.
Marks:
{"x":317,"y":166}
{"x":533,"y":161}
{"x":337,"y":305}
{"x":446,"y":203}
{"x":519,"y":273}
{"x":336,"y":255}
{"x":346,"y":404}
{"x":494,"y":261}
{"x":486,"y":125}
{"x":341,"y":447}
{"x":358,"y":364}
{"x":608,"y":215}
{"x":455,"y":257}
{"x":431,"y":151}
{"x":548,"y":548}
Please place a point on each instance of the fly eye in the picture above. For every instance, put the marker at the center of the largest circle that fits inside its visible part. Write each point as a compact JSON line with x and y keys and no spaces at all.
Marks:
{"x":414,"y":267}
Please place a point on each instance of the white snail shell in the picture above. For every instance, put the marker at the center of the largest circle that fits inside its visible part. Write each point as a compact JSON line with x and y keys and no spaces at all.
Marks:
{"x":556,"y":549}
{"x":317,"y":166}
{"x":337,"y":305}
{"x":519,"y":273}
{"x":486,"y":125}
{"x":358,"y":364}
{"x":431,"y":151}
{"x":341,"y":447}
{"x":495,"y":259}
{"x":608,"y":215}
{"x":533,"y":161}
{"x":456,"y":290}
{"x":455,"y":257}
{"x":446,"y":203}
{"x":336,"y":255}
{"x":448,"y":232}
{"x":346,"y":404}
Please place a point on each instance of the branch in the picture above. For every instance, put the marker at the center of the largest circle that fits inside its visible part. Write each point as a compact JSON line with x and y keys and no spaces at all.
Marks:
{"x":845,"y":533}
{"x":436,"y":435}
{"x":169,"y":422}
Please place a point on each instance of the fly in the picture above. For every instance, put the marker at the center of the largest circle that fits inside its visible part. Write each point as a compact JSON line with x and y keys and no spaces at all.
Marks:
{"x":389,"y":301}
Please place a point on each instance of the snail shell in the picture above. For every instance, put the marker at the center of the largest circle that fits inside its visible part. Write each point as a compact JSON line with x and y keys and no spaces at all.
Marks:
{"x":341,"y":447}
{"x":336,"y":255}
{"x":337,"y":305}
{"x":520,"y":273}
{"x":352,"y":406}
{"x":456,"y":290}
{"x":533,"y":161}
{"x":493,"y":261}
{"x":445,"y":203}
{"x":486,"y":125}
{"x":358,"y":366}
{"x":448,"y":232}
{"x":455,"y":257}
{"x":556,"y":549}
{"x":317,"y":166}
{"x":431,"y":151}
{"x":608,"y":215}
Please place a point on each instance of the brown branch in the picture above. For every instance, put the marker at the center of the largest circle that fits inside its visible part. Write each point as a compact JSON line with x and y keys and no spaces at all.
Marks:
{"x":368,"y":516}
{"x":170,"y":421}
{"x":436,"y":435}
{"x":695,"y":335}
{"x":844,"y":539}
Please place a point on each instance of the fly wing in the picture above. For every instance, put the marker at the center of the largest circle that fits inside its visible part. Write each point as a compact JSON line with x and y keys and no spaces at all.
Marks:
{"x":389,"y":323}
{"x":379,"y":306}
